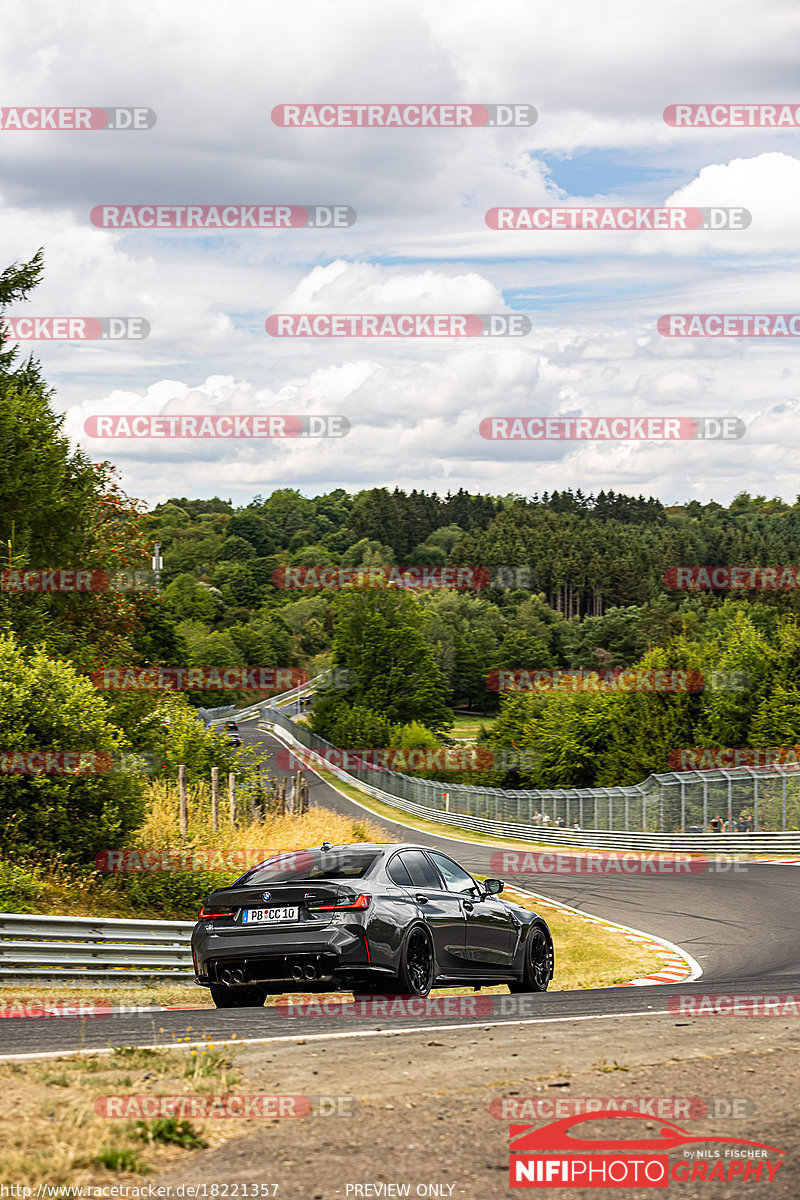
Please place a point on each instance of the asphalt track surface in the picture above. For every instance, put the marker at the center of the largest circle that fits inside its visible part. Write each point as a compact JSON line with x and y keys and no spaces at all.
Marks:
{"x":742,"y":926}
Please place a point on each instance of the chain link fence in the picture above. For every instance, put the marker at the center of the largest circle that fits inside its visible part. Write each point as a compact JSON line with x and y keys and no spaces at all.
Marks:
{"x":763,"y":799}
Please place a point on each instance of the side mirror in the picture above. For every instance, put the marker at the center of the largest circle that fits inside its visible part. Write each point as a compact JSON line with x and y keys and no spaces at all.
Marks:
{"x":493,"y":887}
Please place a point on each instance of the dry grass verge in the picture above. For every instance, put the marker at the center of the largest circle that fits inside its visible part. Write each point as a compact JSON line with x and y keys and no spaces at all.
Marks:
{"x":50,"y":1132}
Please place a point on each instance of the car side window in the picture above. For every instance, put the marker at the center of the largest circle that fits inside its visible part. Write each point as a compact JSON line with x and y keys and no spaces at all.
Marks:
{"x":420,"y":870}
{"x":397,"y":872}
{"x":455,"y":877}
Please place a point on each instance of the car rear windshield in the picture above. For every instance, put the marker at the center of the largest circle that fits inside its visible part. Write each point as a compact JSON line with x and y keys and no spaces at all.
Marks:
{"x":311,"y":864}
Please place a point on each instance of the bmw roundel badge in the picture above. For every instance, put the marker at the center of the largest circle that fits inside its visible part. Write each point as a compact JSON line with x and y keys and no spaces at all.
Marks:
{"x":265,"y":895}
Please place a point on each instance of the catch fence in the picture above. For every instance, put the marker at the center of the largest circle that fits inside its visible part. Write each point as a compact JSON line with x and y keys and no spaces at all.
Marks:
{"x":768,"y":799}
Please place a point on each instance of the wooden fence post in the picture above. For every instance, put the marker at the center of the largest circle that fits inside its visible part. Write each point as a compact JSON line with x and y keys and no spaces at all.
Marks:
{"x":232,"y":796}
{"x":184,"y":810}
{"x":282,"y":797}
{"x":215,"y":799}
{"x":263,"y":798}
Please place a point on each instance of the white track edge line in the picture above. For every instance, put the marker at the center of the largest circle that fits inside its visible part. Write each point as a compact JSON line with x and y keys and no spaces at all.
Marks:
{"x":317,"y":1037}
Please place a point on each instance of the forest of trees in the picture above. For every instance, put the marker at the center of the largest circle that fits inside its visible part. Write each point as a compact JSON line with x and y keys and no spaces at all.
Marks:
{"x":586,"y":590}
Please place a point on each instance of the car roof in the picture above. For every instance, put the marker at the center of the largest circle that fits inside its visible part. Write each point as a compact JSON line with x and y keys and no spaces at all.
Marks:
{"x":384,"y":846}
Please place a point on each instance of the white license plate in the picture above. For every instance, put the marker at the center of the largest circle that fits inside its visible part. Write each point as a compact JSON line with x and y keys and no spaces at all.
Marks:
{"x":270,"y":916}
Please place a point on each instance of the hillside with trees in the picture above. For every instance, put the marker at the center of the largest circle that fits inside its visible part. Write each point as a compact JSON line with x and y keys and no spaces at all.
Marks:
{"x":573,"y":581}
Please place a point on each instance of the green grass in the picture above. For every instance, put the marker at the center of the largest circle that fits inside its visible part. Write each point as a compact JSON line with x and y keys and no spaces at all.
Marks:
{"x":170,"y":1132}
{"x":467,"y":726}
{"x":118,"y":1158}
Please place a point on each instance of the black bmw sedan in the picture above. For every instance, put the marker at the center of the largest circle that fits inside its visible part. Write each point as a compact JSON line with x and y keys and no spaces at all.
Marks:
{"x":390,"y":918}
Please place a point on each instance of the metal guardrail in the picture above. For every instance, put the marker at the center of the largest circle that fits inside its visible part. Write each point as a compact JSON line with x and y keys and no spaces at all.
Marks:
{"x":102,"y":950}
{"x":459,"y":806}
{"x":282,"y":699}
{"x":209,"y":715}
{"x":672,"y":804}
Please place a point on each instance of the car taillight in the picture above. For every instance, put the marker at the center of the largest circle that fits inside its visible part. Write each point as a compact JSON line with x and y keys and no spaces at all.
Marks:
{"x":207,"y":916}
{"x":359,"y":902}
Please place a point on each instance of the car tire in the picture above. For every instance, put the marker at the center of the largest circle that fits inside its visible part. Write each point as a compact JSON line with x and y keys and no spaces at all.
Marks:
{"x":240,"y":997}
{"x":538,"y":969}
{"x":417,"y":969}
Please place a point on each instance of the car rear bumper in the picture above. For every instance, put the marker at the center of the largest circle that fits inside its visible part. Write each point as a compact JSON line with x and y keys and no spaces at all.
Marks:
{"x":288,"y":956}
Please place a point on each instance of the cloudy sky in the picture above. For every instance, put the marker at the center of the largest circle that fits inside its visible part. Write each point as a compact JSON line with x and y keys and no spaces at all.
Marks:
{"x":599,"y":77}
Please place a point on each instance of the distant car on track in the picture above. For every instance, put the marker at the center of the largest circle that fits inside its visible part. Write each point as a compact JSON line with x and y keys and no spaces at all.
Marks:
{"x":388,"y":918}
{"x":231,"y":731}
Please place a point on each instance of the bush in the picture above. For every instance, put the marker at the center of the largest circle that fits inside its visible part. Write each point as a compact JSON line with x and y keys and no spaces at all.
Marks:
{"x":46,"y":706}
{"x":351,"y":726}
{"x":18,"y":887}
